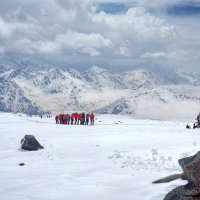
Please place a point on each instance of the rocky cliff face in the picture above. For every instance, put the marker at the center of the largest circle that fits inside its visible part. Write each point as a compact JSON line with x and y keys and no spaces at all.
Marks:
{"x":154,"y":93}
{"x":12,"y":99}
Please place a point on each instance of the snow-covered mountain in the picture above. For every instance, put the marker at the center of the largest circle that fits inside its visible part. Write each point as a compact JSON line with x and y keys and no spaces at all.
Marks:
{"x":154,"y":92}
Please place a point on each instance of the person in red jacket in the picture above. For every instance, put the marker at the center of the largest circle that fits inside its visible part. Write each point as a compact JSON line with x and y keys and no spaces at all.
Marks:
{"x":79,"y":118}
{"x":60,"y":118}
{"x":75,"y":117}
{"x":65,"y":119}
{"x":92,"y":119}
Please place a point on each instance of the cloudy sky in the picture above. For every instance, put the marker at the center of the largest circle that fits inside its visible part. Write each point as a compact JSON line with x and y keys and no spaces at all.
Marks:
{"x":114,"y":34}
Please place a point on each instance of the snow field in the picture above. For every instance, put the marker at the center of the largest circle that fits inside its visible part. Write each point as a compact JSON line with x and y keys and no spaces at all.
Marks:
{"x":118,"y":158}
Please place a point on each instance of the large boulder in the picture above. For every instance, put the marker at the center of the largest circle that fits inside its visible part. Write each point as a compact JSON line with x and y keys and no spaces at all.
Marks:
{"x":181,"y":193}
{"x":191,"y":168}
{"x":30,"y":143}
{"x":190,"y":191}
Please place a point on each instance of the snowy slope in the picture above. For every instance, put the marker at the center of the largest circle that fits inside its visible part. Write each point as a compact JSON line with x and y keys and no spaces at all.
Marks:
{"x":138,"y":93}
{"x":118,"y":158}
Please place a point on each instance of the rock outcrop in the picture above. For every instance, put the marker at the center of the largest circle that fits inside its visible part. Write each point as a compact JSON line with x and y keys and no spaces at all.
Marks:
{"x":191,"y":170}
{"x":30,"y":143}
{"x":169,"y":178}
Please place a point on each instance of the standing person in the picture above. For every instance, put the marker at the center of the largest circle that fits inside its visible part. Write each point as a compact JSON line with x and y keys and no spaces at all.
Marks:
{"x":79,"y":119}
{"x":92,"y":119}
{"x":56,"y":118}
{"x":64,"y":119}
{"x":72,"y":118}
{"x":87,"y":119}
{"x":198,"y":119}
{"x":68,"y":119}
{"x":83,"y":119}
{"x":60,"y":118}
{"x":75,"y":117}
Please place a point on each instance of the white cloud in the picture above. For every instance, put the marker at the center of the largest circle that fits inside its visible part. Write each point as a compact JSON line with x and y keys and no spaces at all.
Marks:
{"x":5,"y":29}
{"x":77,"y":40}
{"x":32,"y":47}
{"x":80,"y":42}
{"x":124,"y":51}
{"x":68,"y":27}
{"x":155,"y":55}
{"x":90,"y":51}
{"x":138,"y":22}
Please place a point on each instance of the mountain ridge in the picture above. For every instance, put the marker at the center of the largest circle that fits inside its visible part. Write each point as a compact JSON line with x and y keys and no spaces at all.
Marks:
{"x":139,"y":93}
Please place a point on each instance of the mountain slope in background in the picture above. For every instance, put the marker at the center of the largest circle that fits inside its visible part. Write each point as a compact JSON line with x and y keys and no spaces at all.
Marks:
{"x":154,"y":92}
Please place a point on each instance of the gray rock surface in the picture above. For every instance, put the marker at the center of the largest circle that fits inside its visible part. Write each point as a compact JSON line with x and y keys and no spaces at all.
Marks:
{"x":168,"y":178}
{"x":21,"y":164}
{"x":191,"y":171}
{"x":30,"y":143}
{"x":171,"y":178}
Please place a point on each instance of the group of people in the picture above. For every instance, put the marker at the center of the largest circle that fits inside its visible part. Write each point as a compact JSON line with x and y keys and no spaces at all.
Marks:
{"x":75,"y":119}
{"x":196,"y":124}
{"x":198,"y":119}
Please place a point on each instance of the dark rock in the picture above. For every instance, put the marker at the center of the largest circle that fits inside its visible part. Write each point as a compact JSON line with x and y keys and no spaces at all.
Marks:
{"x":184,"y":192}
{"x":191,"y":172}
{"x":168,"y":178}
{"x":191,"y":168}
{"x":30,"y":143}
{"x":187,"y":126}
{"x":172,"y":178}
{"x":184,"y":177}
{"x":176,"y":194}
{"x":21,"y":164}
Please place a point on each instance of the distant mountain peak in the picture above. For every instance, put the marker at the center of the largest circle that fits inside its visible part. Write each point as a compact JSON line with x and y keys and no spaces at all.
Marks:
{"x":98,"y":69}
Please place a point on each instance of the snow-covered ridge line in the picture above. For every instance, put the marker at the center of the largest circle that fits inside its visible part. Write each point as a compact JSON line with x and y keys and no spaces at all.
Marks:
{"x":151,"y":93}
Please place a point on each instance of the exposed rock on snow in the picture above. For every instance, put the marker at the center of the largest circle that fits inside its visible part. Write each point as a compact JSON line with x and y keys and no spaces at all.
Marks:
{"x":191,"y":168}
{"x":190,"y":191}
{"x":30,"y":143}
{"x":169,"y":178}
{"x":21,"y":164}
